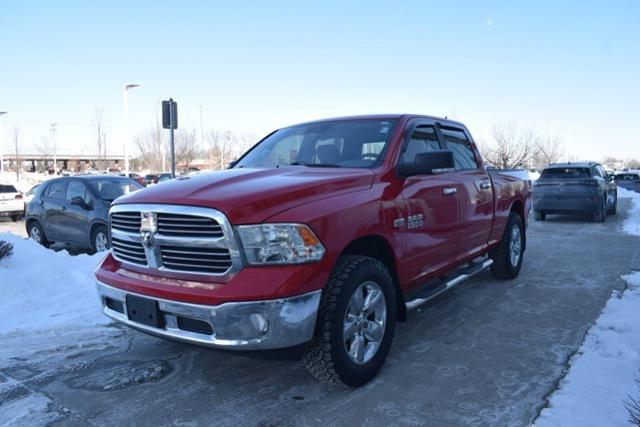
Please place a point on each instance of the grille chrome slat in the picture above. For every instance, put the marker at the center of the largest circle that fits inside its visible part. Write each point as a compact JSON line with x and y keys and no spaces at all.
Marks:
{"x":181,"y":239}
{"x":126,"y":221}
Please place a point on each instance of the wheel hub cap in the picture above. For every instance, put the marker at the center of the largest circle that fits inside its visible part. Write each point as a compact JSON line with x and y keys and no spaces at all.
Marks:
{"x":515,"y":246}
{"x":364,"y":322}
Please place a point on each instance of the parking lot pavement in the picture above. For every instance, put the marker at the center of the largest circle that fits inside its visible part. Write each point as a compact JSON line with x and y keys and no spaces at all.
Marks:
{"x":17,"y":228}
{"x":487,"y":353}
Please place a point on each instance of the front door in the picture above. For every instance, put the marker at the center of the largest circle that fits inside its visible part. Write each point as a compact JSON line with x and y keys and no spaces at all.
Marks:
{"x":432,"y":210}
{"x":75,"y":218}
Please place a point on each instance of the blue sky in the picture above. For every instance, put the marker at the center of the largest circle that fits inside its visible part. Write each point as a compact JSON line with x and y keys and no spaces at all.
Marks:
{"x":255,"y":66}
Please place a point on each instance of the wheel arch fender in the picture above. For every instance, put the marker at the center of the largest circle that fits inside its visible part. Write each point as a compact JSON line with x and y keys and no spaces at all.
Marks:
{"x":377,"y":247}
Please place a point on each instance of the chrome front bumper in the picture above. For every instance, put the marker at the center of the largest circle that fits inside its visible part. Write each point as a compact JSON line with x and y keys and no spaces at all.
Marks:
{"x":251,"y":325}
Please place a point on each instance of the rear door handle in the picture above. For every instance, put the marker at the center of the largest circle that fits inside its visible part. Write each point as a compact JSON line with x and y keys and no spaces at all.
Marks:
{"x":449,"y":191}
{"x":485,"y":185}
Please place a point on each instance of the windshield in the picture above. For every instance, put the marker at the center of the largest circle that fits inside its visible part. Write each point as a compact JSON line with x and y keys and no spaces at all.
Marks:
{"x":345,"y":143}
{"x":568,"y":173}
{"x":109,"y":189}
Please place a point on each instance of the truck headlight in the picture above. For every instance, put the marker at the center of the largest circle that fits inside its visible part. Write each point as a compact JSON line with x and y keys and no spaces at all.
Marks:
{"x":279,"y":244}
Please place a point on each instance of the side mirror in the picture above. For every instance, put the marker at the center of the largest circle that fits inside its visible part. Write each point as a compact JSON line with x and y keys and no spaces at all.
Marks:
{"x":79,"y":201}
{"x":429,"y":163}
{"x":232,"y":164}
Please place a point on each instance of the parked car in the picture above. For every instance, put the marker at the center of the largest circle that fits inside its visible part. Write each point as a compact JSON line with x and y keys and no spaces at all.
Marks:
{"x":11,"y":203}
{"x":134,"y":176}
{"x":150,"y":178}
{"x":75,"y":210}
{"x":164,"y":177}
{"x":575,"y":188}
{"x":323,"y":234}
{"x":628,"y":180}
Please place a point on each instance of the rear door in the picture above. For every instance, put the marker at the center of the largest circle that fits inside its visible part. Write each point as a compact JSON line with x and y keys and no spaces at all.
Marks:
{"x":53,"y":207}
{"x":474,"y":192}
{"x":432,"y":209}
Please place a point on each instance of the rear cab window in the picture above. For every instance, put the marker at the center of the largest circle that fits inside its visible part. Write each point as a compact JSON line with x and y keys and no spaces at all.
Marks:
{"x":463,"y":156}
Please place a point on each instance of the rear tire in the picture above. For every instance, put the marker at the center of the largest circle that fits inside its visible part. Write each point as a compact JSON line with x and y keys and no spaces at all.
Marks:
{"x":356,"y":321}
{"x":601,"y":214}
{"x":37,"y":235}
{"x":15,"y":218}
{"x":614,"y":208}
{"x":508,"y":255}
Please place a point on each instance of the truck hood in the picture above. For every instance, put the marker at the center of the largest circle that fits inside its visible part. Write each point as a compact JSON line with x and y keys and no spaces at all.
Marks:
{"x":249,"y":196}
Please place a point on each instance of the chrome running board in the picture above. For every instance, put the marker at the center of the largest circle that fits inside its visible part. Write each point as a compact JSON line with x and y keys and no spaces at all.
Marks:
{"x":466,"y":273}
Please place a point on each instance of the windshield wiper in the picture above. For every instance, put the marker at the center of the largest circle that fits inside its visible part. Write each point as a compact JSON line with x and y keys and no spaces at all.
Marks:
{"x":314,"y":165}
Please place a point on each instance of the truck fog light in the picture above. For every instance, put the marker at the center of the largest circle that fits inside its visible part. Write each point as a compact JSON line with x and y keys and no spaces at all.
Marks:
{"x":260,"y":323}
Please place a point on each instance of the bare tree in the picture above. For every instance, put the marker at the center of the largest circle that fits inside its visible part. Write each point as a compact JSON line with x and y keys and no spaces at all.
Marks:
{"x":100,"y":138}
{"x":45,"y":149}
{"x":16,"y":151}
{"x":511,"y":147}
{"x":187,"y":147}
{"x":226,"y":146}
{"x":151,"y":147}
{"x":632,"y":164}
{"x":547,"y":150}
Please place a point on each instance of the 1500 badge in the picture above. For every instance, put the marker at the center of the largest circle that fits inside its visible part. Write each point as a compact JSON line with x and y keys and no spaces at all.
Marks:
{"x":413,"y":221}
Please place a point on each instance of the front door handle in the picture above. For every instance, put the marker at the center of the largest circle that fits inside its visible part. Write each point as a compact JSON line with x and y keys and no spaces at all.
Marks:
{"x":485,"y":185}
{"x":449,"y":191}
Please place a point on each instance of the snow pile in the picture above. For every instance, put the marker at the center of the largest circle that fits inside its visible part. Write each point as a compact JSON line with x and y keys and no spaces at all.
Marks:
{"x":43,"y":289}
{"x":632,"y":223}
{"x":601,"y":375}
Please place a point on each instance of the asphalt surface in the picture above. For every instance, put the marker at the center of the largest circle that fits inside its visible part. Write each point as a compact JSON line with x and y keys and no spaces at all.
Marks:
{"x":486,"y":353}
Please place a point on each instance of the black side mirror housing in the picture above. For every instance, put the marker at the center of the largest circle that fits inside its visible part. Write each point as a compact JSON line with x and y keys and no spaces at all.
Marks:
{"x":429,"y":163}
{"x":79,"y":201}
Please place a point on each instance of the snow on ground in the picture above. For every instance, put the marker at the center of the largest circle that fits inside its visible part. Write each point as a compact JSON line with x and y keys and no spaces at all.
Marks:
{"x":601,"y":373}
{"x":632,"y":223}
{"x":51,"y":317}
{"x":40,"y":288}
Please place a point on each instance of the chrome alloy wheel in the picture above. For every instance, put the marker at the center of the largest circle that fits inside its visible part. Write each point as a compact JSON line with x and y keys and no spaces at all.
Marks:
{"x":101,"y":243}
{"x":515,"y":246}
{"x":364,"y":322}
{"x":34,"y":233}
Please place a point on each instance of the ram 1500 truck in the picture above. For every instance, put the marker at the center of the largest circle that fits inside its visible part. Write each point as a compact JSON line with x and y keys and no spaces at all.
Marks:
{"x":323,"y":234}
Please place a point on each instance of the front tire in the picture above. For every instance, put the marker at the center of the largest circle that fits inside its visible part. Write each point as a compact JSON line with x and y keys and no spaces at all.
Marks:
{"x":356,"y":322}
{"x":100,"y":239}
{"x":614,"y":208}
{"x":507,"y":256}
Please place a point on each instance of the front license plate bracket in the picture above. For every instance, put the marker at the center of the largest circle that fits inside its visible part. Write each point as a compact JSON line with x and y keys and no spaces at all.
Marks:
{"x":144,"y":310}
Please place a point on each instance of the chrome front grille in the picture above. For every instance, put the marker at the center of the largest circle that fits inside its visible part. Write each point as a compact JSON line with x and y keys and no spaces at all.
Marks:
{"x":193,"y":258}
{"x":129,"y":251}
{"x":126,"y":221}
{"x":181,"y":239}
{"x":170,"y":224}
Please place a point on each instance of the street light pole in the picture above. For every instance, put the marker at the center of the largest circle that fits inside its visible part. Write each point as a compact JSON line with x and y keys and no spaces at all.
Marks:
{"x":2,"y":113}
{"x":125,"y":116}
{"x":53,"y":141}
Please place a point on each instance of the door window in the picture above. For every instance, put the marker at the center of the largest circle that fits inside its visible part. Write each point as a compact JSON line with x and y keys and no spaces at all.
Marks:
{"x":463,"y":156}
{"x":423,"y":139}
{"x":76,"y":189}
{"x":57,"y":190}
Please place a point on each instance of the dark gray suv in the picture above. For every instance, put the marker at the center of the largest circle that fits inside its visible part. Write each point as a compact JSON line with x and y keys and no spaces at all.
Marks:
{"x":575,"y":188}
{"x":75,"y":210}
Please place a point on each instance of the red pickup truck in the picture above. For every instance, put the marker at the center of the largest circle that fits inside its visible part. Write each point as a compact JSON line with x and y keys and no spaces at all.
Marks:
{"x":323,"y":234}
